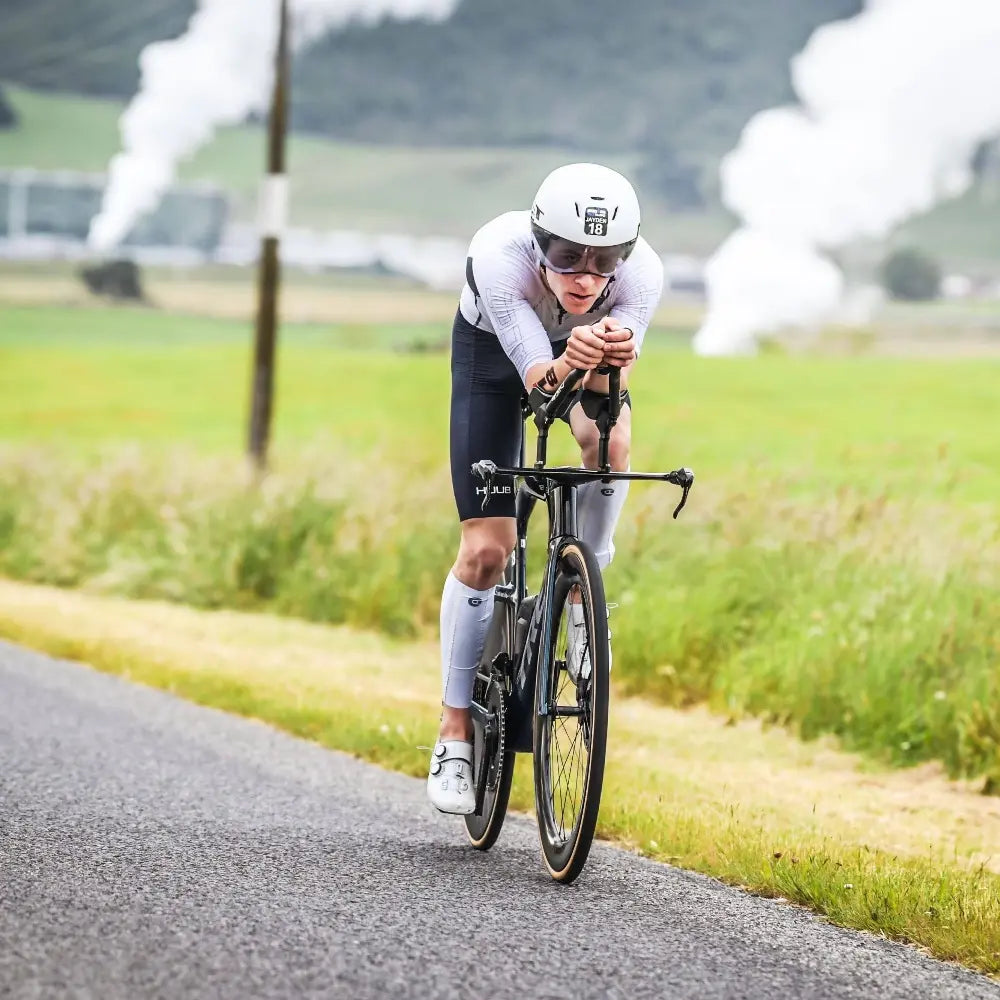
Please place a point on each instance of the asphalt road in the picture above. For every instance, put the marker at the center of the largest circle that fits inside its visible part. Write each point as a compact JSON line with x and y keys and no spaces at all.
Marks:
{"x":151,"y":848}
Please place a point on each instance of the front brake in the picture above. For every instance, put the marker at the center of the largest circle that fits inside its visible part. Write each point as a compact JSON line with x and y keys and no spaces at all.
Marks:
{"x":485,"y":470}
{"x":685,"y":479}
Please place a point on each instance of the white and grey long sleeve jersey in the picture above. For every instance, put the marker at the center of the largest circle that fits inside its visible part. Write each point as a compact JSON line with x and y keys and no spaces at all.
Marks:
{"x":504,"y":293}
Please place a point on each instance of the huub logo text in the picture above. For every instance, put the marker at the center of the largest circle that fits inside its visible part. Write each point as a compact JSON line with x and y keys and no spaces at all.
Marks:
{"x":608,"y":491}
{"x":495,"y":489}
{"x":475,"y":601}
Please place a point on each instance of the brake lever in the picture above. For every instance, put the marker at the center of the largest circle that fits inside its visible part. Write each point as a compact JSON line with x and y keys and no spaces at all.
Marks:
{"x":685,"y":479}
{"x":485,"y":470}
{"x":684,"y":496}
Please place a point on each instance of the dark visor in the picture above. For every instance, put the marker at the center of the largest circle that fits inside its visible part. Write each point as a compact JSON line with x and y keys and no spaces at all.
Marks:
{"x":566,"y":257}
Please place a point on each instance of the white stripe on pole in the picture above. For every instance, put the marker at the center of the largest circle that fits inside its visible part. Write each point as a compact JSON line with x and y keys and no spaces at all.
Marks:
{"x":272,"y":213}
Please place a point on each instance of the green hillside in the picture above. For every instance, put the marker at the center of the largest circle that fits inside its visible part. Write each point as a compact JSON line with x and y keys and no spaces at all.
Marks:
{"x":427,"y":190}
{"x":673,"y":81}
{"x":343,"y":185}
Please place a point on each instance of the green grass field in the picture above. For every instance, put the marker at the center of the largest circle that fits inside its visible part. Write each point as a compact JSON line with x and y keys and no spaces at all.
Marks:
{"x":914,"y":431}
{"x":837,"y":570}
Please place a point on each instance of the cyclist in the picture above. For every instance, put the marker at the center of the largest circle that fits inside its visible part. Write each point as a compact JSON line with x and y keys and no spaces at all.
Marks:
{"x":568,"y":284}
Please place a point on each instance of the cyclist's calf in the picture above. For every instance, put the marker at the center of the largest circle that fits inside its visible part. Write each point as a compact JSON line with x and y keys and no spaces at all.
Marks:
{"x":486,"y":545}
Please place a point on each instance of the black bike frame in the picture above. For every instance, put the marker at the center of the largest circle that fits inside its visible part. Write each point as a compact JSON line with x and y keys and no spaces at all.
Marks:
{"x":557,"y":486}
{"x":560,"y":499}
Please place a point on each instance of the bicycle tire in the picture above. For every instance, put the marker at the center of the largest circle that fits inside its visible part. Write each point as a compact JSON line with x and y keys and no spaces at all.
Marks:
{"x":566,"y":850}
{"x":490,"y":690}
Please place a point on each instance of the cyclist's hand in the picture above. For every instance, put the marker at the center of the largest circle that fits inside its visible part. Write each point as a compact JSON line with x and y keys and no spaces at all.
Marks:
{"x":619,"y":343}
{"x":585,"y":347}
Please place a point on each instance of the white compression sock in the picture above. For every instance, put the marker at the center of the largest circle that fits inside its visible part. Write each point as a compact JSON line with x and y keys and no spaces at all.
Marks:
{"x":598,"y":507}
{"x":465,"y":619}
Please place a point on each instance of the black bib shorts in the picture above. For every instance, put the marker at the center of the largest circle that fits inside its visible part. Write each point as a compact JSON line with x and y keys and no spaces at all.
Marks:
{"x":486,"y":419}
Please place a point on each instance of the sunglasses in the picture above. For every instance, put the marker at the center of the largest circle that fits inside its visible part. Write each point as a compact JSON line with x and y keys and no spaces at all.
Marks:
{"x":567,"y":257}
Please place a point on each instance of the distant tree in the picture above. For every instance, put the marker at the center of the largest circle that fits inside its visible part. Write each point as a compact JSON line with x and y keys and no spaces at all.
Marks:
{"x":911,"y":275}
{"x":8,"y":116}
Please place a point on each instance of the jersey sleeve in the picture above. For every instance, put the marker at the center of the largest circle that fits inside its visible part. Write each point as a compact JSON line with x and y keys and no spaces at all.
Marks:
{"x":500,"y":284}
{"x":640,"y":285}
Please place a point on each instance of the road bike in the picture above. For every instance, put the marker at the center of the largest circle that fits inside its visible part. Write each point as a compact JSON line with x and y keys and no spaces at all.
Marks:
{"x":533,"y":692}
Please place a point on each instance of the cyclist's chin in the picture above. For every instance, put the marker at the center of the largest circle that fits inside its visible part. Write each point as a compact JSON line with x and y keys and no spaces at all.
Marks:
{"x":577,"y":305}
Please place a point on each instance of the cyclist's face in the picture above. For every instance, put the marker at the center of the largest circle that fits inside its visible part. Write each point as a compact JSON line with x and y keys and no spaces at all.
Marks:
{"x":575,"y":292}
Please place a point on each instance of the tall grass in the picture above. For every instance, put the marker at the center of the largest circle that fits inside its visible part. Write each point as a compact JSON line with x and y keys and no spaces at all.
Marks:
{"x":203,"y":533}
{"x":847,"y":616}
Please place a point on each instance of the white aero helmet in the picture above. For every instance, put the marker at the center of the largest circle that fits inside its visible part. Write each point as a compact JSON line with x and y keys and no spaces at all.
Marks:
{"x":585,"y":217}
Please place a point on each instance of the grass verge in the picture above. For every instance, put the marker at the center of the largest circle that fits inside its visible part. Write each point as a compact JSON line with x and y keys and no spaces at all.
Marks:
{"x":838,"y":615}
{"x":906,"y":853}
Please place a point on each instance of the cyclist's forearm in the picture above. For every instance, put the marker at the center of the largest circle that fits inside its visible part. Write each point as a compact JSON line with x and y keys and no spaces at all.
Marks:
{"x":547,"y":375}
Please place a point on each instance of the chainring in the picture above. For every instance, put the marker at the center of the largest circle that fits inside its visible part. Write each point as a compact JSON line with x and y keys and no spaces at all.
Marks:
{"x":496,"y":705}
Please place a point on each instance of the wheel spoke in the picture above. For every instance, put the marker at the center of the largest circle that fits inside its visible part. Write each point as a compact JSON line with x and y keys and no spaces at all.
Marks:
{"x":572,"y":755}
{"x":565,"y":750}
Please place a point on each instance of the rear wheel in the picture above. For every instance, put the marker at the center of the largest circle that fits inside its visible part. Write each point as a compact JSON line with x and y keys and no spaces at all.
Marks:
{"x":571,"y":717}
{"x":494,"y":761}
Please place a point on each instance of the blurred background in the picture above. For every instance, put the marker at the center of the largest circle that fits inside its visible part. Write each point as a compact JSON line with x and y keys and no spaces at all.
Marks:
{"x":821,"y":178}
{"x":409,"y":134}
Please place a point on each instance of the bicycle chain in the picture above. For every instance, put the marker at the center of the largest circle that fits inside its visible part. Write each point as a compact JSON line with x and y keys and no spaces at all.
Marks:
{"x":502,"y":740}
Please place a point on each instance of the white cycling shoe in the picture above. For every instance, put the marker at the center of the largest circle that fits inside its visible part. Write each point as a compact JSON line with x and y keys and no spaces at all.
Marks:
{"x":449,"y":784}
{"x":577,"y":651}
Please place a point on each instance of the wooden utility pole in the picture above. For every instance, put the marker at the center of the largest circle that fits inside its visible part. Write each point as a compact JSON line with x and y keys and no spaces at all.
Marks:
{"x":273,"y":213}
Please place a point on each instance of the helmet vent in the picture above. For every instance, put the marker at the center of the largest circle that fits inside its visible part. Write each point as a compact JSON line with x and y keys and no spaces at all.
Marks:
{"x":597,"y":197}
{"x":615,"y":215}
{"x":576,"y":205}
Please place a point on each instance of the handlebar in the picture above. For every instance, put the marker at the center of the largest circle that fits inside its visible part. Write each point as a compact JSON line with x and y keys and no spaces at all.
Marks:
{"x":549,"y":412}
{"x":614,"y":392}
{"x":485,"y":470}
{"x":606,"y":417}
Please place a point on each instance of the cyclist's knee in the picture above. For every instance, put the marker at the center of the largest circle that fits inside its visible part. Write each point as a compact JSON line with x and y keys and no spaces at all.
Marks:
{"x":588,"y":438}
{"x":482,"y":556}
{"x":619,"y":448}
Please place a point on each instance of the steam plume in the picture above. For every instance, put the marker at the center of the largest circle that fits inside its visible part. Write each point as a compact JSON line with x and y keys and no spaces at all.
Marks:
{"x":215,"y":74}
{"x":893,"y":105}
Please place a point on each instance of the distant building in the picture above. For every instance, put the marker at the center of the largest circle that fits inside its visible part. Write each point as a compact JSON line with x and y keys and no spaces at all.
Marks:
{"x":45,"y":214}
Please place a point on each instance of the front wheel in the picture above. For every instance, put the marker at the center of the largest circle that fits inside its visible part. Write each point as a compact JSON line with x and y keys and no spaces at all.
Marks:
{"x":571,"y":714}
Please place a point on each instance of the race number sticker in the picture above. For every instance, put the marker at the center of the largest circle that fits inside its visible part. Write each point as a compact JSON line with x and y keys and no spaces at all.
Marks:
{"x":595,"y":221}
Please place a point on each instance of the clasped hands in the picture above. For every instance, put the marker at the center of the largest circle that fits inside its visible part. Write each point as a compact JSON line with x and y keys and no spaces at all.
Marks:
{"x":606,"y":342}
